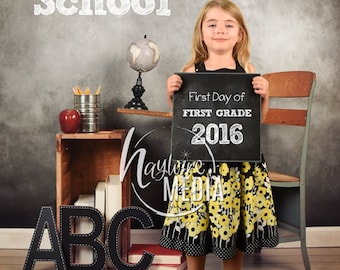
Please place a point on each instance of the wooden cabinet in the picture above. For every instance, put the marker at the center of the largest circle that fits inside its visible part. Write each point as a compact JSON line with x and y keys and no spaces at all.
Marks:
{"x":83,"y":159}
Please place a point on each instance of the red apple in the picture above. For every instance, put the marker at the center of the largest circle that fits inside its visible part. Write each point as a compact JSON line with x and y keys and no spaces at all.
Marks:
{"x":69,"y":120}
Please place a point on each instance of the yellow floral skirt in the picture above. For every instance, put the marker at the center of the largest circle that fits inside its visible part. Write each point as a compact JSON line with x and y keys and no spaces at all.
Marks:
{"x":220,"y":210}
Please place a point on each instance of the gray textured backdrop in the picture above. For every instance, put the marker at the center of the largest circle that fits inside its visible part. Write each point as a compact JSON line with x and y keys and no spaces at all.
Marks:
{"x":43,"y":56}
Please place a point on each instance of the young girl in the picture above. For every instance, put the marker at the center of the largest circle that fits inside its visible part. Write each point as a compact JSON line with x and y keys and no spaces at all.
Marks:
{"x":244,"y":219}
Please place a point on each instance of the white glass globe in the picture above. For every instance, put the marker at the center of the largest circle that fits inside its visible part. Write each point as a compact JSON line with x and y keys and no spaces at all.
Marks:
{"x":143,"y":55}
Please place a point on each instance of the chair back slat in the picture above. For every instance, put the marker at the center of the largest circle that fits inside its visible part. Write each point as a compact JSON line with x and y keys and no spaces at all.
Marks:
{"x":290,"y":83}
{"x":286,"y":117}
{"x":287,"y":85}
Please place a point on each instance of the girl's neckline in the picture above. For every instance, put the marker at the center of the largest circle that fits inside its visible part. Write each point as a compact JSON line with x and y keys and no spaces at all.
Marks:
{"x":200,"y":67}
{"x":220,"y":69}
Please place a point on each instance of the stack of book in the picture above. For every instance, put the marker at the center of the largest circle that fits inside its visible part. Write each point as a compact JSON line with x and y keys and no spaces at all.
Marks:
{"x":164,"y":259}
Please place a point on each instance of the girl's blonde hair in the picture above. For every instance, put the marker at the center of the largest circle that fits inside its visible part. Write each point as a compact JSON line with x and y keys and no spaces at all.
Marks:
{"x":199,"y":51}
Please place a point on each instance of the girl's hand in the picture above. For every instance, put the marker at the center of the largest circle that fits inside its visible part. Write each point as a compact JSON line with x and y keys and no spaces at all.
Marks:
{"x":261,"y":86}
{"x":174,"y":83}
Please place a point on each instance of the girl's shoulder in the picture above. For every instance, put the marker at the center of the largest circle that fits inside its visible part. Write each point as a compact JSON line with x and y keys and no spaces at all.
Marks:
{"x":251,"y":68}
{"x":189,"y":69}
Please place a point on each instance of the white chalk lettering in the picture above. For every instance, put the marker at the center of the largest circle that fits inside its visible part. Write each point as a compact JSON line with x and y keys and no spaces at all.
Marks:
{"x":239,"y":97}
{"x":148,"y":9}
{"x":197,"y":112}
{"x":221,"y":97}
{"x":60,"y":4}
{"x":86,"y":7}
{"x":48,"y":10}
{"x":115,"y":7}
{"x":194,"y":96}
{"x":163,"y":8}
{"x":217,"y":134}
{"x":233,"y":113}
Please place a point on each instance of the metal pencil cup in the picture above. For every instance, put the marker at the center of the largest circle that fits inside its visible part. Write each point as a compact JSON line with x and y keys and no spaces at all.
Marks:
{"x":89,"y":108}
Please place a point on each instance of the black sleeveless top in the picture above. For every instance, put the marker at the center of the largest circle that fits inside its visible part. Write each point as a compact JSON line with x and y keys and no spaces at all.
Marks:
{"x":200,"y":67}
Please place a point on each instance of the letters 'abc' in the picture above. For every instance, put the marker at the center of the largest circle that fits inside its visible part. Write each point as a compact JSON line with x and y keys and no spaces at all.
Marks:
{"x":61,"y":247}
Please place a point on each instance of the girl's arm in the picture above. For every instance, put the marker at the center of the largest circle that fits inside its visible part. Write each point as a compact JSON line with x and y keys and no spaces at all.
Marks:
{"x":173,"y":84}
{"x":261,"y":87}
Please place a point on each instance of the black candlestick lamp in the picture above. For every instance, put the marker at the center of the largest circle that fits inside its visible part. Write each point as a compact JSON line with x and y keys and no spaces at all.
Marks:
{"x":143,"y":56}
{"x":137,"y":103}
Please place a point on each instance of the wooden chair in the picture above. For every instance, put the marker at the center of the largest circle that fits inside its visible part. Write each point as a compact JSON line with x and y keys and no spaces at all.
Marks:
{"x":289,"y":190}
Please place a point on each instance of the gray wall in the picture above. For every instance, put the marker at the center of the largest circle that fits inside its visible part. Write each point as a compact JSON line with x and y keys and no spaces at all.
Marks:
{"x":43,"y":56}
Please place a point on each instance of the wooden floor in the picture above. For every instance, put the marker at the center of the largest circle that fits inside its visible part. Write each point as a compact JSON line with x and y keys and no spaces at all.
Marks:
{"x":268,"y":259}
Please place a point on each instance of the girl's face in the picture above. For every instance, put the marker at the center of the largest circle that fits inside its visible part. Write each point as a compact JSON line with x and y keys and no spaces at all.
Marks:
{"x":220,"y":31}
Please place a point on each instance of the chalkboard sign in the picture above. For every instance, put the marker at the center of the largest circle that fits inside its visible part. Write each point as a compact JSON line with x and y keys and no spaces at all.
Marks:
{"x":216,"y":116}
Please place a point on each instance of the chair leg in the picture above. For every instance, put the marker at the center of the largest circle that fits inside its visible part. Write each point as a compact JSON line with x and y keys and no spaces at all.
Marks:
{"x":305,"y":254}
